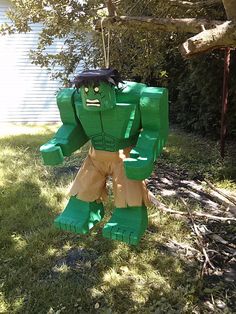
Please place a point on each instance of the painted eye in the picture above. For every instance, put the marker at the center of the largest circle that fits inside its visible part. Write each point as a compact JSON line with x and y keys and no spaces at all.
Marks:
{"x":96,"y":89}
{"x":86,"y":89}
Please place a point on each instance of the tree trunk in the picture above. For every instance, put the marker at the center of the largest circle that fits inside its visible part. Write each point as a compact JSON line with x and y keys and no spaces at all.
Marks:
{"x":230,"y":9}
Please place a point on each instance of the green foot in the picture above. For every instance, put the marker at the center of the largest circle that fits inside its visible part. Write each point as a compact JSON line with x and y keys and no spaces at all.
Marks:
{"x":127,"y":224}
{"x":79,"y":216}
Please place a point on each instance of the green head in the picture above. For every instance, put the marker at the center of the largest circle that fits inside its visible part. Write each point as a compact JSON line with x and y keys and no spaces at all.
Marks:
{"x":97,"y":88}
{"x":100,"y":96}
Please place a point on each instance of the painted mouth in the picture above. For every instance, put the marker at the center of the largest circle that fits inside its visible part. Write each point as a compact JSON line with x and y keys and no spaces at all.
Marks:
{"x":94,"y":102}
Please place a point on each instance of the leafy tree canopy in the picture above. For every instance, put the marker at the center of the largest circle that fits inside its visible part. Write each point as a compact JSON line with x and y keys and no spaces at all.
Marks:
{"x":136,"y":53}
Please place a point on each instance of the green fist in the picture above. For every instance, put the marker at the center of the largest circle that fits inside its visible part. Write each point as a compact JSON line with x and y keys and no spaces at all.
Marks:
{"x":52,"y":154}
{"x":139,"y":165}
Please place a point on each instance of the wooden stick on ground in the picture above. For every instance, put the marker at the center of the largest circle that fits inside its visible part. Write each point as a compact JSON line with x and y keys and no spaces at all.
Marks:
{"x":229,"y":198}
{"x":165,"y":209}
{"x":200,"y":242}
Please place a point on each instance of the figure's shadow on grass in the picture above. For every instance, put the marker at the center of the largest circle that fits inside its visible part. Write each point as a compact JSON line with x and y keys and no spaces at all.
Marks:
{"x":34,"y":253}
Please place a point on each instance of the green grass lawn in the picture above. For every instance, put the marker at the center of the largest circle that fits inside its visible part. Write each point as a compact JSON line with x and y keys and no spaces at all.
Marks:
{"x":43,"y":270}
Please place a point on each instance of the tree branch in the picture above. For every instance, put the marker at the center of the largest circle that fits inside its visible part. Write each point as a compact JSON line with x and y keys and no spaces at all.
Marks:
{"x":186,"y":25}
{"x":210,"y":34}
{"x":111,"y":8}
{"x":221,"y":36}
{"x":194,"y":5}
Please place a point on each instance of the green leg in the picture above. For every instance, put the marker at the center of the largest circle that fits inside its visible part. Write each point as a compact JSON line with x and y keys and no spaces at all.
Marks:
{"x":79,"y":216}
{"x":127,"y":224}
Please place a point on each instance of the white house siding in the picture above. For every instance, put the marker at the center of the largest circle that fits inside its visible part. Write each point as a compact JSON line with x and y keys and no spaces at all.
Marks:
{"x":27,"y":94}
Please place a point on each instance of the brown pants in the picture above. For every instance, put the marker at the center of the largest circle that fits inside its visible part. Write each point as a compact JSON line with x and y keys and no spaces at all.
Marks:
{"x":90,"y":182}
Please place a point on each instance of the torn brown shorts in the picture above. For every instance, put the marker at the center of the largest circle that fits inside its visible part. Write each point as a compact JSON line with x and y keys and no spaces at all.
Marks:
{"x":90,"y":182}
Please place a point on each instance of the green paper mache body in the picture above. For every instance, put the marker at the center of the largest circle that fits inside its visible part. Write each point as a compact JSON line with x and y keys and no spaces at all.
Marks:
{"x":113,"y":117}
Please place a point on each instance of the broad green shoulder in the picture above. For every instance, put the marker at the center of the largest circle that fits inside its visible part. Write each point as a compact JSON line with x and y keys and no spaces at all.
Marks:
{"x":129,"y":92}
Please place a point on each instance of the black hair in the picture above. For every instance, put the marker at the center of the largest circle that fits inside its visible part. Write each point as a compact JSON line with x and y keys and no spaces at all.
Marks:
{"x":91,"y":77}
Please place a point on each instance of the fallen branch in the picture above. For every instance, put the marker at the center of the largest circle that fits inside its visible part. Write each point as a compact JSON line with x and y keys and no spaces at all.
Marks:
{"x":213,"y":195}
{"x":219,"y":239}
{"x":200,"y":242}
{"x":228,"y":197}
{"x":165,"y":209}
{"x":184,"y":246}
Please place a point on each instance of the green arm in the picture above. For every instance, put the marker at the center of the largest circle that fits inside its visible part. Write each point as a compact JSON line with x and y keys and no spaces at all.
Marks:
{"x":154,"y":117}
{"x":70,"y":135}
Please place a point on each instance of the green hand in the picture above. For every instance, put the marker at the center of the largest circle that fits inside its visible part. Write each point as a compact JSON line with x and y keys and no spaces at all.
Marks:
{"x":139,"y":165}
{"x":52,"y":154}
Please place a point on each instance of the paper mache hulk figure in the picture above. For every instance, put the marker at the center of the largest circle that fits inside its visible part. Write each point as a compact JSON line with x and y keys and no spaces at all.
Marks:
{"x":127,"y":124}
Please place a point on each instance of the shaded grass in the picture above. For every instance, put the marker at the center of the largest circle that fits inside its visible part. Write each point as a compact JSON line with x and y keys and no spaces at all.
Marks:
{"x":201,"y":158}
{"x":47,"y":271}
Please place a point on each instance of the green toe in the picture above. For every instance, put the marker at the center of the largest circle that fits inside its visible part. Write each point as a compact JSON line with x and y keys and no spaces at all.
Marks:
{"x":134,"y":238}
{"x":79,"y":216}
{"x":126,"y":237}
{"x":127,"y":225}
{"x":119,"y":235}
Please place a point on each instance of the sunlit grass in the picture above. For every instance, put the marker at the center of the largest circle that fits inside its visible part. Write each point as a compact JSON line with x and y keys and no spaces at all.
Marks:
{"x":38,"y":273}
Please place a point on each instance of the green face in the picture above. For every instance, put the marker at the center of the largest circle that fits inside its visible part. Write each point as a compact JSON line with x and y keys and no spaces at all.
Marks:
{"x":98,"y":97}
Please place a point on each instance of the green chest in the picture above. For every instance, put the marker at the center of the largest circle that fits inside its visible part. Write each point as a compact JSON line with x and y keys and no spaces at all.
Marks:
{"x":113,"y":129}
